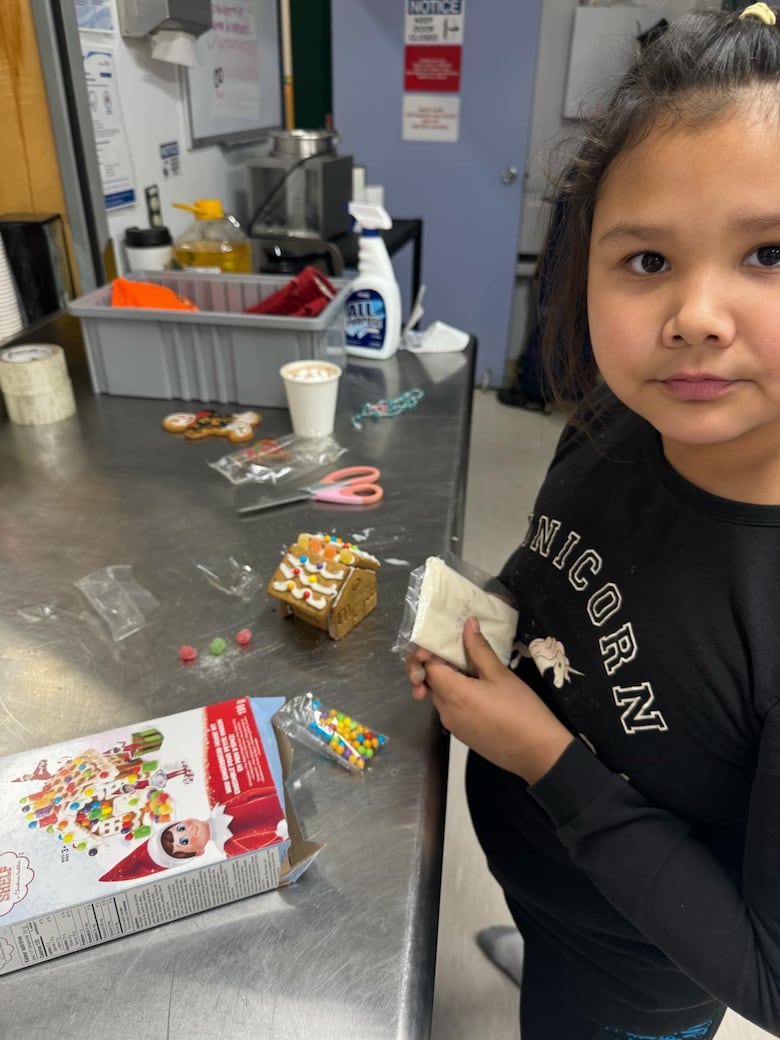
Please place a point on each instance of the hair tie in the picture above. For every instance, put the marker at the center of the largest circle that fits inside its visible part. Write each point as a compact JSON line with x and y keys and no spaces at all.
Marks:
{"x":763,"y":12}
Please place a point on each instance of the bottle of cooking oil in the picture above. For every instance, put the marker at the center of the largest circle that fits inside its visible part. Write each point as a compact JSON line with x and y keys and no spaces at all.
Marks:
{"x":214,"y":242}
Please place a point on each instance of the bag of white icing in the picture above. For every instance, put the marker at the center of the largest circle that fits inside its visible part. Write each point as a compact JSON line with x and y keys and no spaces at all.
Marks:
{"x":440,"y":597}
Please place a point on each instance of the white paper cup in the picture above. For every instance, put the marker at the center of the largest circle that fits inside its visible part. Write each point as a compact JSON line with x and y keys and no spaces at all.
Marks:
{"x":312,"y":388}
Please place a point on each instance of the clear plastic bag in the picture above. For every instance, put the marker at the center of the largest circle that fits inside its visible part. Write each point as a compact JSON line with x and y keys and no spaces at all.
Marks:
{"x":276,"y":461}
{"x":36,"y":612}
{"x":232,"y":577}
{"x":440,"y":597}
{"x":118,"y":598}
{"x":333,"y":733}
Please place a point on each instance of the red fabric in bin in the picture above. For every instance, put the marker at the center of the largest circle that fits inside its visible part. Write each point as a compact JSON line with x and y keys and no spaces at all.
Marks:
{"x":304,"y":296}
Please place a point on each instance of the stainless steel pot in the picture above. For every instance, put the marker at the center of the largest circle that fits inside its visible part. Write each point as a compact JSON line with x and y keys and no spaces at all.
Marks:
{"x":302,"y":144}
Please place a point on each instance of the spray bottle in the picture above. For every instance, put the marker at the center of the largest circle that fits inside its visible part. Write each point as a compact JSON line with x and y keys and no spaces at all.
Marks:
{"x":373,"y":307}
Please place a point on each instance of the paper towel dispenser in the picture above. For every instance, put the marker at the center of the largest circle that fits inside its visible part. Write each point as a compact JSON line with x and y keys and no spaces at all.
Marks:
{"x":171,"y":25}
{"x":144,"y":17}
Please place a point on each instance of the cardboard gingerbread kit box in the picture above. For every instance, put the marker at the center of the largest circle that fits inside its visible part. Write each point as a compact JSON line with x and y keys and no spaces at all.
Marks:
{"x":121,"y":831}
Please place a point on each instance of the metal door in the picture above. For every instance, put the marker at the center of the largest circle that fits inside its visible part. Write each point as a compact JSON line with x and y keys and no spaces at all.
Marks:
{"x":468,"y":192}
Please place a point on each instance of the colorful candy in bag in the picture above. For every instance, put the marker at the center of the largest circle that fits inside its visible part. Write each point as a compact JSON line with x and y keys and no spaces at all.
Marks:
{"x":333,"y":733}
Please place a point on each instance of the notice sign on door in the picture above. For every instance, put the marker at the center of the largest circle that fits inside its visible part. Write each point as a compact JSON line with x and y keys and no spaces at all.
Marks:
{"x":434,"y":21}
{"x":433,"y":47}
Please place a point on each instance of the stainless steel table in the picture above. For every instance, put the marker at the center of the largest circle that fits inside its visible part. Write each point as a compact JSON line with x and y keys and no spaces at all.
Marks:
{"x":348,"y":951}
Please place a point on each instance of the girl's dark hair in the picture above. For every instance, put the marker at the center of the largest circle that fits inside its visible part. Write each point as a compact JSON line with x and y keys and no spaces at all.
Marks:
{"x":690,"y":73}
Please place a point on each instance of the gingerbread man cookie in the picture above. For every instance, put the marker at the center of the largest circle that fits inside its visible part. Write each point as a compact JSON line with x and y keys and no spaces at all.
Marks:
{"x":208,"y":423}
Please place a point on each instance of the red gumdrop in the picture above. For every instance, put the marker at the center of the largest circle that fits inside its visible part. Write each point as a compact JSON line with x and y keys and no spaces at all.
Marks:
{"x":187,"y":653}
{"x":243,"y":637}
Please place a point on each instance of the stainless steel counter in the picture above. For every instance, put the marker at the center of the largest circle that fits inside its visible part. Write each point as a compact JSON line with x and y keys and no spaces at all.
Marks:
{"x":348,"y":951}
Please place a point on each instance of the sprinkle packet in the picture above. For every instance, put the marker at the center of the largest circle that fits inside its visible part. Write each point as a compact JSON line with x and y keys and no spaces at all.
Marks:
{"x":333,"y":733}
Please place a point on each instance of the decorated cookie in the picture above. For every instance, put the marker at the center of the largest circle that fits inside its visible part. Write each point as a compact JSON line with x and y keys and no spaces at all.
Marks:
{"x":208,"y":423}
{"x":327,"y":582}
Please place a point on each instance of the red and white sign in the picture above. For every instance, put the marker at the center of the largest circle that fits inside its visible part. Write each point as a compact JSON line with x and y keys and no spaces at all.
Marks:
{"x":431,"y":117}
{"x":432,"y":69}
{"x":433,"y":50}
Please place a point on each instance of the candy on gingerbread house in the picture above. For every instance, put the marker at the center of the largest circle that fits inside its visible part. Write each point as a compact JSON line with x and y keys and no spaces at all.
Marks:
{"x":327,"y":582}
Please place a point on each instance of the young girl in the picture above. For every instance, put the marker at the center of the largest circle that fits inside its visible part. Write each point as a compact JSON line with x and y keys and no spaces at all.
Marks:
{"x":624,"y":778}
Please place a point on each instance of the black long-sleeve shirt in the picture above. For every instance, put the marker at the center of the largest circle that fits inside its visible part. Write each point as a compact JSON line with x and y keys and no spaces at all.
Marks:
{"x":645,"y":865}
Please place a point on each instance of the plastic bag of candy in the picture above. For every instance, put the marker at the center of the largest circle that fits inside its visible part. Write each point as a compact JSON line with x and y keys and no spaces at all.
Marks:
{"x":333,"y":733}
{"x":278,"y":460}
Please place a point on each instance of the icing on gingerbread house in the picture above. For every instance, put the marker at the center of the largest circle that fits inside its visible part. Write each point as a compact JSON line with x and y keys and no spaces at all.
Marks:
{"x":327,"y":582}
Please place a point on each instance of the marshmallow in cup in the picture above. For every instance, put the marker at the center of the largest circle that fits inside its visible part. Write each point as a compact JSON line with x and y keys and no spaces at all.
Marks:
{"x":312,"y":389}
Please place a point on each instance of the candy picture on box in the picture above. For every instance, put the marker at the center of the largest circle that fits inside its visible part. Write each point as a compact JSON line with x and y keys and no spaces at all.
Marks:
{"x":100,"y":795}
{"x":190,"y":806}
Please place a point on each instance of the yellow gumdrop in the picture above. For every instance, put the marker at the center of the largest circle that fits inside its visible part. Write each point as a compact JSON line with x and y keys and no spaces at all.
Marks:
{"x":346,"y":556}
{"x":303,"y":541}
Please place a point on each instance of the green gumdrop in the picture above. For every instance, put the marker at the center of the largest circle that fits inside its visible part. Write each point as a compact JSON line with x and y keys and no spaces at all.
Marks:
{"x":218,"y":646}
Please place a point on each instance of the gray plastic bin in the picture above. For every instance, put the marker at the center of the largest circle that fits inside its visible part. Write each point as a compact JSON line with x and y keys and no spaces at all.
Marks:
{"x":215,"y":354}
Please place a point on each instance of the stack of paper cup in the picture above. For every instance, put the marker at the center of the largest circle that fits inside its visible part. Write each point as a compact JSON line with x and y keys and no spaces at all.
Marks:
{"x":10,"y":312}
{"x":35,"y":384}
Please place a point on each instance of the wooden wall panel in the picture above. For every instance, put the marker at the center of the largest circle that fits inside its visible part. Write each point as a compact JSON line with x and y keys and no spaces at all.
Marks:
{"x":29,"y":172}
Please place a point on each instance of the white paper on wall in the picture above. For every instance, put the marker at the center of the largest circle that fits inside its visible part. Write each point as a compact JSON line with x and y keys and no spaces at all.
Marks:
{"x":113,"y":148}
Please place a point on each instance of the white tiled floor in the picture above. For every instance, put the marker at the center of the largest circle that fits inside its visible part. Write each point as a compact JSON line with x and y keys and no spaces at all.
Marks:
{"x":510,"y":449}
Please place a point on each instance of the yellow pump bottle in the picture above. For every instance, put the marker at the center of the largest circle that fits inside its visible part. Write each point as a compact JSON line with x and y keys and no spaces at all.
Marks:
{"x":213,"y":242}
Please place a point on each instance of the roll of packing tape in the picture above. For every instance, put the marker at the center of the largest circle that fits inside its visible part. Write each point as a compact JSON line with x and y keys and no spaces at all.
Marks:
{"x":35,"y":368}
{"x":35,"y":384}
{"x":40,"y":409}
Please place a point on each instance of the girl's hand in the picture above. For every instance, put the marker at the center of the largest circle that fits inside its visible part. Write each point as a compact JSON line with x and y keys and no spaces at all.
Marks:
{"x":496,"y":714}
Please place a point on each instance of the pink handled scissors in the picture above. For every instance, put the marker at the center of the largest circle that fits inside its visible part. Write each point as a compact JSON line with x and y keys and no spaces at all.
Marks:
{"x":351,"y":486}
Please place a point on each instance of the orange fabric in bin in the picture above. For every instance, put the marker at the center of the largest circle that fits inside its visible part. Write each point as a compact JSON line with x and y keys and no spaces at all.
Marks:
{"x":125,"y":293}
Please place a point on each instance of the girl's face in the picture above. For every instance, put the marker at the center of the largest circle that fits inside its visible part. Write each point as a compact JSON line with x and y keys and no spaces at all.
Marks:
{"x":684,"y":297}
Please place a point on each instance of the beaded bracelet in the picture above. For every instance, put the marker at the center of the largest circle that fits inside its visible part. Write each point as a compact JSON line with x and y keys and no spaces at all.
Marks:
{"x":388,"y":409}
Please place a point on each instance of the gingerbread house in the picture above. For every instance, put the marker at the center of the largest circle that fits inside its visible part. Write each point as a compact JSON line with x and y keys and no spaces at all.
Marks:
{"x":327,"y":582}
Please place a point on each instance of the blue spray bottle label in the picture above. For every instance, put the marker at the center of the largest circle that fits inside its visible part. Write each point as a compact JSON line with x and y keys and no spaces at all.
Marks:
{"x":365,"y":320}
